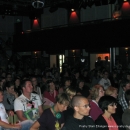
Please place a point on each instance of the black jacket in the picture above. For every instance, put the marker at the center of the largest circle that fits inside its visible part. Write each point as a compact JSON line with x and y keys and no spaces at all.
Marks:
{"x":79,"y":124}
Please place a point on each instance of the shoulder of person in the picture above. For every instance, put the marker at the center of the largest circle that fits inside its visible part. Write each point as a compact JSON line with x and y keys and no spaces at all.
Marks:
{"x":34,"y":94}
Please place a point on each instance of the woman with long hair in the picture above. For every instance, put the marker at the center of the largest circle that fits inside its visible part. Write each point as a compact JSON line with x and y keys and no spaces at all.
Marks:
{"x":97,"y":92}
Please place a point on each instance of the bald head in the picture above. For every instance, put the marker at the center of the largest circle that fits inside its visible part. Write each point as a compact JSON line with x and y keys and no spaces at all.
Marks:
{"x":77,"y":100}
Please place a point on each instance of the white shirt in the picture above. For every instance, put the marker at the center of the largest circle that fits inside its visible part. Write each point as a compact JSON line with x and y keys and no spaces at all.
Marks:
{"x":3,"y":114}
{"x":30,"y":109}
{"x":105,"y":83}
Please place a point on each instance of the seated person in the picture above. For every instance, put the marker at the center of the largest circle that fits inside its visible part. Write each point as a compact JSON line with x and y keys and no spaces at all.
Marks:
{"x":126,"y":114}
{"x":80,"y":119}
{"x":97,"y":92}
{"x":4,"y":123}
{"x":50,"y":94}
{"x":70,"y":91}
{"x":53,"y":118}
{"x":9,"y":96}
{"x":28,"y":106}
{"x":112,"y":91}
{"x":106,"y":121}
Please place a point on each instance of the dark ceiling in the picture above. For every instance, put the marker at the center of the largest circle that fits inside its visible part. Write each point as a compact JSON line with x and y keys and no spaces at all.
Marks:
{"x":25,"y":8}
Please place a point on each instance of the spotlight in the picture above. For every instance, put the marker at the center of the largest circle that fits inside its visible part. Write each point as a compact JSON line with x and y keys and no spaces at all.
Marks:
{"x":72,"y":9}
{"x":38,"y":4}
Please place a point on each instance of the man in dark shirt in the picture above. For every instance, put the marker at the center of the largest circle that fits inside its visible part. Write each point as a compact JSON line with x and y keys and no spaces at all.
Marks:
{"x":80,"y":119}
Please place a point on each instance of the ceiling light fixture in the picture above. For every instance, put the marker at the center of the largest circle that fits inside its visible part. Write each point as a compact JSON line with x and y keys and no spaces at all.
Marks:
{"x":38,"y":4}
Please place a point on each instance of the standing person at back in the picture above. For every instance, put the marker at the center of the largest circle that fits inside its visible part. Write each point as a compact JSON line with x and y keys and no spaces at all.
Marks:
{"x":105,"y":82}
{"x":28,"y":105}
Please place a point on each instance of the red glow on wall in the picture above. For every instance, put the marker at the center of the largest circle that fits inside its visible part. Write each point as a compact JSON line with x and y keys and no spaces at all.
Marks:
{"x":126,"y":6}
{"x":35,"y":23}
{"x":74,"y":17}
{"x":103,"y":56}
{"x":125,"y":9}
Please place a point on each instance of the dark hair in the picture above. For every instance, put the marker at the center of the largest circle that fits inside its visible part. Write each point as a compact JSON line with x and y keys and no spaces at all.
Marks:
{"x":127,"y":96}
{"x":104,"y":101}
{"x":8,"y":84}
{"x":79,"y":80}
{"x":64,"y":80}
{"x":124,"y":83}
{"x":47,"y":85}
{"x":23,"y":83}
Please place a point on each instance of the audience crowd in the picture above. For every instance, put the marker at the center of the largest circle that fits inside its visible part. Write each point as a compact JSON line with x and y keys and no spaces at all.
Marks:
{"x":74,"y":99}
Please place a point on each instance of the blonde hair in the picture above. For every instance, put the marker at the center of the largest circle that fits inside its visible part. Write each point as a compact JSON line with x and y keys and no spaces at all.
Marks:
{"x":110,"y":90}
{"x":70,"y":91}
{"x":95,"y":91}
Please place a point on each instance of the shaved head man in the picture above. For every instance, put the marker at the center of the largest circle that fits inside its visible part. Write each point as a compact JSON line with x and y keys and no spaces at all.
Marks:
{"x":80,"y":119}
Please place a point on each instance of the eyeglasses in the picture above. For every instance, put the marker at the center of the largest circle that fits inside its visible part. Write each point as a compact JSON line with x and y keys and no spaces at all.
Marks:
{"x":85,"y":106}
{"x":31,"y":104}
{"x":113,"y":104}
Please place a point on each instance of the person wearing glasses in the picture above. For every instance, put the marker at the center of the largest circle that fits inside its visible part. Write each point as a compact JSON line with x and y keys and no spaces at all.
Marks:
{"x":97,"y":92}
{"x":80,"y":119}
{"x":106,"y":121}
{"x":53,"y":118}
{"x":112,"y":91}
{"x":28,"y":106}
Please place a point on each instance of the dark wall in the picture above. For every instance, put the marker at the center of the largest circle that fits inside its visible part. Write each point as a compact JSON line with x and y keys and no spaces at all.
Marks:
{"x":95,"y":35}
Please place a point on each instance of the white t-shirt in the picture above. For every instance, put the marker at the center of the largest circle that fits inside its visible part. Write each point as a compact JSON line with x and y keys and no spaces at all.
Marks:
{"x":3,"y":114}
{"x":28,"y":106}
{"x":105,"y":83}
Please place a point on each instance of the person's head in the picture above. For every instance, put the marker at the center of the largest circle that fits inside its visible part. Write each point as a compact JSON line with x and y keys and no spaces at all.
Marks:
{"x":76,"y":74}
{"x":99,"y":58}
{"x":108,"y":104}
{"x":3,"y":74}
{"x":106,"y":58}
{"x":26,"y":86}
{"x":127,"y":97}
{"x":43,"y":79}
{"x":2,"y":81}
{"x":85,"y":72}
{"x":80,"y":83}
{"x":9,"y":85}
{"x":128,"y":76}
{"x":1,"y":96}
{"x":97,"y":92}
{"x":66,"y":81}
{"x":62,"y":102}
{"x":70,"y":91}
{"x":50,"y":86}
{"x":8,"y":77}
{"x":34,"y":81}
{"x":80,"y":105}
{"x":125,"y":84}
{"x":111,"y":91}
{"x":17,"y":81}
{"x":105,"y":74}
